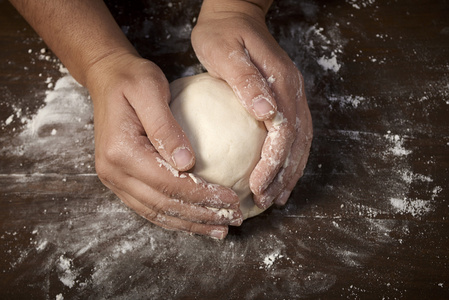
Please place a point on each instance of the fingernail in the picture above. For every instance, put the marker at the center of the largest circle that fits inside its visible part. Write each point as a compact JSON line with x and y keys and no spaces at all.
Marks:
{"x":266,"y":202}
{"x":263,"y":187}
{"x":262,"y":107}
{"x":283,"y":197}
{"x":217,"y":234}
{"x":236,"y":222}
{"x":182,"y":158}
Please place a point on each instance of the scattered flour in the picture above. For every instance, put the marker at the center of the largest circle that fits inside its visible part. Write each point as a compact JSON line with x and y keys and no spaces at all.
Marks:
{"x":58,"y":135}
{"x":42,"y":245}
{"x":351,"y":258}
{"x":416,"y":208}
{"x":107,"y":238}
{"x":436,"y":190}
{"x":329,"y":63}
{"x":67,"y":274}
{"x":332,"y":45}
{"x":358,"y":4}
{"x":59,"y":297}
{"x":410,"y":177}
{"x":354,"y":101}
{"x":67,"y":108}
{"x":17,"y":114}
{"x":9,"y":120}
{"x":397,"y":141}
{"x":270,"y":259}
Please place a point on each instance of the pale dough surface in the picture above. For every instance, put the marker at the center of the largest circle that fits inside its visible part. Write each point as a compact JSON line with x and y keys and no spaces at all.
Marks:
{"x":226,"y":139}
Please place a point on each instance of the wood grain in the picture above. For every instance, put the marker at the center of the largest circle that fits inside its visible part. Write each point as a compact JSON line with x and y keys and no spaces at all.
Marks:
{"x":369,"y":219}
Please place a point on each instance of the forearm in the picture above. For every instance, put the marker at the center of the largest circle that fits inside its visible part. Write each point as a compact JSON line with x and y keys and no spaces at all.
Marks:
{"x":80,"y":32}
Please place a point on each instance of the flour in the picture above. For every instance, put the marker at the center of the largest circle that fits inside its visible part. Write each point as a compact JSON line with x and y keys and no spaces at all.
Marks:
{"x":60,"y":133}
{"x":17,"y":115}
{"x":270,"y":259}
{"x":66,"y":109}
{"x":329,"y":63}
{"x":196,"y":179}
{"x":380,"y":208}
{"x":414,"y":207}
{"x":436,"y":190}
{"x":397,"y":141}
{"x":358,"y":4}
{"x":67,"y":275}
{"x":410,"y":177}
{"x":222,"y":212}
{"x":319,"y":42}
{"x":167,"y":166}
{"x":400,"y":202}
{"x":9,"y":120}
{"x":42,"y":245}
{"x":98,"y":248}
{"x":349,"y":100}
{"x":351,"y":258}
{"x":59,"y":297}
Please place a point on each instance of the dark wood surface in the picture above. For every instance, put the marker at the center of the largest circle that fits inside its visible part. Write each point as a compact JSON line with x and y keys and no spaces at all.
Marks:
{"x":369,"y":219}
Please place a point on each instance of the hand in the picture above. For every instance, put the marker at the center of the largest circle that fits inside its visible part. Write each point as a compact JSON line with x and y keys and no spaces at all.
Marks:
{"x":140,"y":150}
{"x":233,"y":43}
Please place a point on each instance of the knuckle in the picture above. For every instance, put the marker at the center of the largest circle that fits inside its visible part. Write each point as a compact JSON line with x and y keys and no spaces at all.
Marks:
{"x":112,"y":155}
{"x":156,"y":78}
{"x":159,"y":207}
{"x":164,"y":189}
{"x":107,"y":159}
{"x":149,"y":214}
{"x":290,"y":130}
{"x":161,"y":129}
{"x":244,"y":80}
{"x":191,"y":227}
{"x":102,"y":170}
{"x":164,"y":136}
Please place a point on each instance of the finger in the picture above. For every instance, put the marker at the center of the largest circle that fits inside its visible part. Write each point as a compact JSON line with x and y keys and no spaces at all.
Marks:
{"x":158,"y":203}
{"x":131,"y":154}
{"x":281,"y":187}
{"x":151,"y":104}
{"x":249,"y":85}
{"x":277,"y":186}
{"x":293,"y":167}
{"x":274,"y":153}
{"x":282,"y":132}
{"x":285,"y":194}
{"x":182,"y":208}
{"x":304,"y":144}
{"x":170,"y":222}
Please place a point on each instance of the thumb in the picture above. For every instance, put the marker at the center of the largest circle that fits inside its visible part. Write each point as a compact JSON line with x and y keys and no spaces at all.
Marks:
{"x":250,"y":86}
{"x":163,"y":131}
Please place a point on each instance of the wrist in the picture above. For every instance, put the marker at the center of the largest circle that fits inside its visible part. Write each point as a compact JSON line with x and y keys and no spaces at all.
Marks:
{"x":255,"y":8}
{"x":105,"y":66}
{"x":264,"y":5}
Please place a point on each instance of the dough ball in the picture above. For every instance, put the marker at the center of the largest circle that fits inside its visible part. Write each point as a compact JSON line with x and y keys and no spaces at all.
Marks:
{"x":226,"y":139}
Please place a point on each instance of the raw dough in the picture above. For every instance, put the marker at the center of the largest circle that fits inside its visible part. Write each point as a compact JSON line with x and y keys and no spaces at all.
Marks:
{"x":226,"y":139}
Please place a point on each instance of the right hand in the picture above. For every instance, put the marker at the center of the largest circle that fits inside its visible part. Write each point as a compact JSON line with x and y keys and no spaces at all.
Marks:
{"x":139,"y":149}
{"x":232,"y":41}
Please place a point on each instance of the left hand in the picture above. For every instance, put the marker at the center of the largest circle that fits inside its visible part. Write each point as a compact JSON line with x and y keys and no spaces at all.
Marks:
{"x":233,"y":43}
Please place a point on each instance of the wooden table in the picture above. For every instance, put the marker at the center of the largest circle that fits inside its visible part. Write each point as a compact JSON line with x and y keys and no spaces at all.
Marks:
{"x":369,"y":219}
